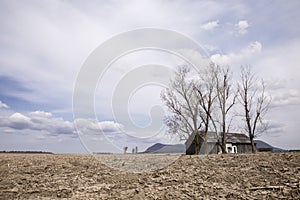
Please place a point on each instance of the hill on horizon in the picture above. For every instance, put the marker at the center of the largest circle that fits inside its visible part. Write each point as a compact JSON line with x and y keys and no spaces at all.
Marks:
{"x":165,"y":148}
{"x":264,"y":146}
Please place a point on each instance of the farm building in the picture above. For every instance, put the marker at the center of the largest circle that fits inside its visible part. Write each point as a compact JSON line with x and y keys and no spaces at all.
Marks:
{"x":235,"y":143}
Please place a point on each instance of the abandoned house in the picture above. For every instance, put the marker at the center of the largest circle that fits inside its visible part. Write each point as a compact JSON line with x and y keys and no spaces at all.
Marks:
{"x":235,"y":143}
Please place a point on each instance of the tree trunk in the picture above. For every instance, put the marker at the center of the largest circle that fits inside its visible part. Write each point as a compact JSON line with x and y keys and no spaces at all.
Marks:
{"x":223,"y":145}
{"x":219,"y":143}
{"x":253,"y":147}
{"x":197,"y":144}
{"x":223,"y":148}
{"x":205,"y":144}
{"x":206,"y":138}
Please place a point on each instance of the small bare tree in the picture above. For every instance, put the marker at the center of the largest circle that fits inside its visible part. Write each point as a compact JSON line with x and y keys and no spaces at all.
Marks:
{"x":125,"y":150}
{"x":182,"y":102}
{"x":255,"y":104}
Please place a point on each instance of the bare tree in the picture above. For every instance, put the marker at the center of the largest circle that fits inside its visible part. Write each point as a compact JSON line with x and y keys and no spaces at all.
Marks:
{"x":216,"y":98}
{"x":206,"y":95}
{"x":226,"y":98}
{"x":182,"y":102}
{"x":255,"y":104}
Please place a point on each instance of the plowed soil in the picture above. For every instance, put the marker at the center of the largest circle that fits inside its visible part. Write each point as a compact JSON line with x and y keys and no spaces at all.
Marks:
{"x":232,"y":176}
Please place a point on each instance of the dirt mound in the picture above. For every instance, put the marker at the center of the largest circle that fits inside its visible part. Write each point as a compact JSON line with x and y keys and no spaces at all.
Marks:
{"x":239,"y":176}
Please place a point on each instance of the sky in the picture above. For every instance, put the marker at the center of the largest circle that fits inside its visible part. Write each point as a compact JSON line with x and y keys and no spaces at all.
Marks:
{"x":44,"y":45}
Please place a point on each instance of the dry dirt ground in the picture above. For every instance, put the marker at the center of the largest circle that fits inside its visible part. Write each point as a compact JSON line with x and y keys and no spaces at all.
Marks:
{"x":239,"y":176}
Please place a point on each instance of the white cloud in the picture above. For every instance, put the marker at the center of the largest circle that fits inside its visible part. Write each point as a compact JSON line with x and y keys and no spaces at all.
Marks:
{"x":209,"y":47}
{"x":242,"y":27}
{"x":18,"y":121}
{"x":3,"y":105}
{"x":37,"y":121}
{"x":104,"y":135}
{"x":278,"y":65}
{"x":241,"y":58}
{"x":42,"y":126}
{"x":285,"y":97}
{"x":40,"y":114}
{"x":275,"y":127}
{"x":210,"y":25}
{"x":254,"y":47}
{"x":87,"y":126}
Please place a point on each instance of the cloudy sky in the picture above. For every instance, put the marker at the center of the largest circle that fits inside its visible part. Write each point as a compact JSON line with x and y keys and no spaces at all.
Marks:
{"x":44,"y":45}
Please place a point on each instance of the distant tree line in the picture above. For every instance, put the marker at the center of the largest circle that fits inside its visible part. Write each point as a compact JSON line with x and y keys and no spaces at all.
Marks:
{"x":32,"y":152}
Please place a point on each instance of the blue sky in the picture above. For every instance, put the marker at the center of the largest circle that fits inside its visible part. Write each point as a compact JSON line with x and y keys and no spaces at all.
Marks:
{"x":43,"y":45}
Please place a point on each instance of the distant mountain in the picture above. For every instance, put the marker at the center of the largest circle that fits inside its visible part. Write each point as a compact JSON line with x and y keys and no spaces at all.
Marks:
{"x":166,"y":148}
{"x":263,"y":146}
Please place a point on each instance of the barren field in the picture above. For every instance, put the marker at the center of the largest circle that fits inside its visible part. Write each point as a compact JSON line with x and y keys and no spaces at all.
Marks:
{"x":239,"y":176}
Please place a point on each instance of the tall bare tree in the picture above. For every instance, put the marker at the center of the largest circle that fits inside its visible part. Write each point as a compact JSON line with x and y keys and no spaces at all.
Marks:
{"x":182,"y":102}
{"x":255,"y":102}
{"x":206,"y":95}
{"x":226,"y":98}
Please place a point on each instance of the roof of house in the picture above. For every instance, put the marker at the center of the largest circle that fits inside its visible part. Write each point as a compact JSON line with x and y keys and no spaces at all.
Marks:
{"x":235,"y":138}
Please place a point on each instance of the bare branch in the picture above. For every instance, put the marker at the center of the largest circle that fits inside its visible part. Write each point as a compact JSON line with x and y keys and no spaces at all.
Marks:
{"x":255,"y":104}
{"x":181,"y":101}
